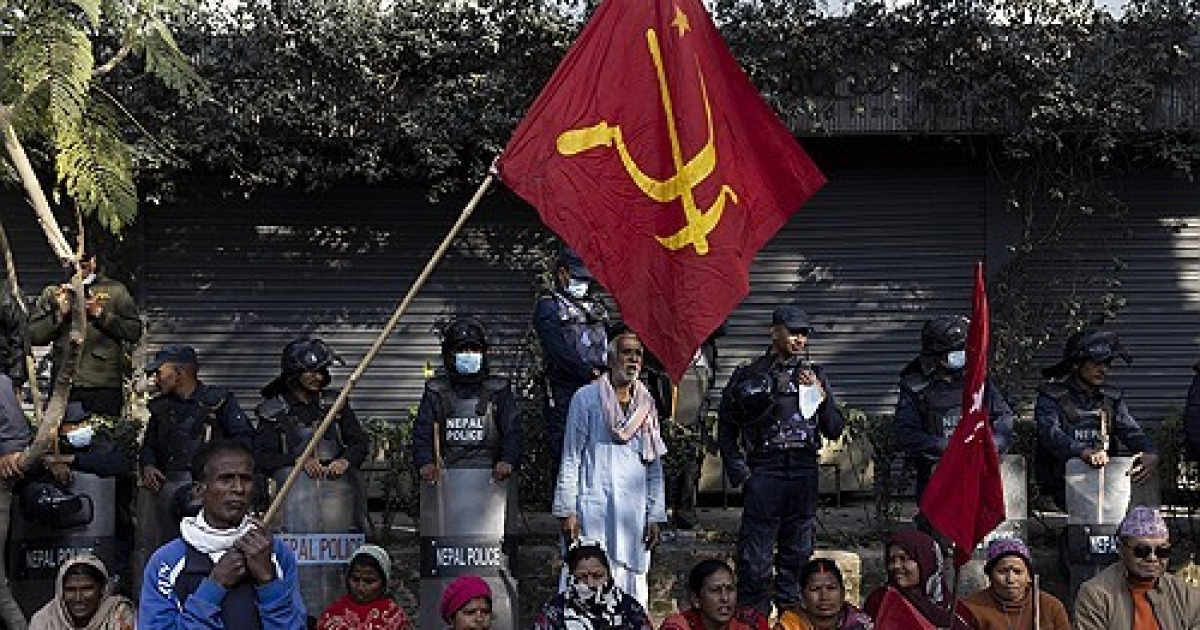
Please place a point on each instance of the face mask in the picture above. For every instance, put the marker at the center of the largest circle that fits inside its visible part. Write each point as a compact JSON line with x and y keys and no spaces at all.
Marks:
{"x":956,"y":359}
{"x":89,"y":279}
{"x":582,"y":591}
{"x":81,"y":437}
{"x":577,"y":288}
{"x":468,"y":362}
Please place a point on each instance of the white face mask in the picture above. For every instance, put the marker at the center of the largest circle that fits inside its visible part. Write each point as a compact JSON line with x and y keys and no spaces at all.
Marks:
{"x":956,"y":359}
{"x":577,"y":288}
{"x":81,"y":437}
{"x":91,"y":277}
{"x":468,"y":362}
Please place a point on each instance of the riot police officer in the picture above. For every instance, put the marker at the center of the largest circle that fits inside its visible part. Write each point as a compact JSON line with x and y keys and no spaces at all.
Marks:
{"x":773,"y":415}
{"x":12,"y":336}
{"x":294,"y":403}
{"x":570,"y":324}
{"x":1077,"y":414}
{"x":930,"y":402}
{"x":185,"y":414}
{"x":474,"y":411}
{"x":467,"y":443}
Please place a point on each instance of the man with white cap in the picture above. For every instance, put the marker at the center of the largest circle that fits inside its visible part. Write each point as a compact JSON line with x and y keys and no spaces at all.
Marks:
{"x":1137,"y":593}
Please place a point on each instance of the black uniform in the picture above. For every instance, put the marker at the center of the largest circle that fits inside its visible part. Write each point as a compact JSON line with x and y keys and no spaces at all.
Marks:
{"x":574,"y":343}
{"x":1068,"y":420}
{"x":478,"y":422}
{"x":779,"y":468}
{"x":178,"y":426}
{"x":286,"y":424}
{"x":928,"y":409}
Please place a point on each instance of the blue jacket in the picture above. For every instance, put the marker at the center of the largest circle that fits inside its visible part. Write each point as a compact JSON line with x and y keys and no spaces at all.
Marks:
{"x":280,"y":606}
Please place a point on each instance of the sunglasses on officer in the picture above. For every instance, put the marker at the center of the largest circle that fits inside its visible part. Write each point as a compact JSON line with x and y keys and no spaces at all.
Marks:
{"x":1141,"y":552}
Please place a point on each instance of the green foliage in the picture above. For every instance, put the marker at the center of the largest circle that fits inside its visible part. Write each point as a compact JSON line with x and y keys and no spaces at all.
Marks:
{"x":57,"y":56}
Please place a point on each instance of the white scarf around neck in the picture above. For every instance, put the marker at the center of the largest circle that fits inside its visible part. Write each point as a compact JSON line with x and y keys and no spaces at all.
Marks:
{"x":211,"y":540}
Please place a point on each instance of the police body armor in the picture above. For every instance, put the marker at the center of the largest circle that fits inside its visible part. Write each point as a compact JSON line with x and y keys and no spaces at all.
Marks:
{"x":467,"y":519}
{"x":321,"y":520}
{"x":584,"y":321}
{"x":50,"y":524}
{"x":181,"y":435}
{"x":941,"y":407}
{"x":470,"y":438}
{"x":789,"y":429}
{"x":1092,"y":427}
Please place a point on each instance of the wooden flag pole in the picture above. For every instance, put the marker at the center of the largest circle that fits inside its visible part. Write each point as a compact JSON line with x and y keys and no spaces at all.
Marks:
{"x":319,"y":433}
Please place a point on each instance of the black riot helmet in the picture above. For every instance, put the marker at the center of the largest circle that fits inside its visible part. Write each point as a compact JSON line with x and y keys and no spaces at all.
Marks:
{"x":944,"y":333}
{"x":1088,"y":345}
{"x":752,"y":397}
{"x":306,"y":355}
{"x":48,"y":505}
{"x":463,"y":332}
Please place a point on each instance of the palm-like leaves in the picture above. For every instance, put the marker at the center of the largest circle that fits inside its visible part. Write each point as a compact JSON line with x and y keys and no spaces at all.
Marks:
{"x":50,"y":90}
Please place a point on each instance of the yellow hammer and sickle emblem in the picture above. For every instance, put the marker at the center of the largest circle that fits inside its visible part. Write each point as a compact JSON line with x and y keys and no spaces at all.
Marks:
{"x":687,"y":175}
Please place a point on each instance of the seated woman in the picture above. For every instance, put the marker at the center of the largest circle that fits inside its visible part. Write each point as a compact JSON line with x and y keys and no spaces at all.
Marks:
{"x":916,"y":570}
{"x":366,"y":604}
{"x":1006,"y":604}
{"x":592,"y":600}
{"x":81,"y":600}
{"x":713,"y":593}
{"x":823,"y":604}
{"x":467,"y":604}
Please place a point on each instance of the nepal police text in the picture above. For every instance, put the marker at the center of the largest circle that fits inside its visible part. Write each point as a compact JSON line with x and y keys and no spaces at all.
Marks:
{"x":464,"y":430}
{"x":468,"y":557}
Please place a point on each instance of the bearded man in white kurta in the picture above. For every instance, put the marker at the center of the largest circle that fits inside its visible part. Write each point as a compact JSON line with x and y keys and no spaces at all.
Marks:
{"x":610,"y":485}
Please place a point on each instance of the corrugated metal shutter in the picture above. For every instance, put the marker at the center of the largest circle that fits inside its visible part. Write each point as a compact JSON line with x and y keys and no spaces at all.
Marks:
{"x":1153,"y":251}
{"x":240,"y":279}
{"x":875,"y":254}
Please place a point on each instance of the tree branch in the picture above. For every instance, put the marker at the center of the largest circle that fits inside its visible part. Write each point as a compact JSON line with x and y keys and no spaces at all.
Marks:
{"x":33,"y":188}
{"x":111,"y":64}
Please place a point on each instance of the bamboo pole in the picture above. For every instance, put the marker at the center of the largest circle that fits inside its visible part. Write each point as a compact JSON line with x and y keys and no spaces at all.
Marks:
{"x":343,"y":396}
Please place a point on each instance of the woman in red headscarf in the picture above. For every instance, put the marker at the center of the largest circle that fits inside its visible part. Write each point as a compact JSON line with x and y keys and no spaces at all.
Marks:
{"x":916,"y":570}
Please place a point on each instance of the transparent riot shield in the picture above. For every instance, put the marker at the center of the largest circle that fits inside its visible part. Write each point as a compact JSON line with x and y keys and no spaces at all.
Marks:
{"x":1013,"y":475}
{"x":1097,"y":501}
{"x":157,"y":521}
{"x":466,"y":522}
{"x":37,"y":545}
{"x":320,"y":521}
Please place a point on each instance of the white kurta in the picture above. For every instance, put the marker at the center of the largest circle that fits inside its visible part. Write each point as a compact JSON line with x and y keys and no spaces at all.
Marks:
{"x":606,"y":484}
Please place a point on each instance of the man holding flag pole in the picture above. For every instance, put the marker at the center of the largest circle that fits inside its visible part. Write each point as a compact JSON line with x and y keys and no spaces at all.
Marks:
{"x":653,"y":156}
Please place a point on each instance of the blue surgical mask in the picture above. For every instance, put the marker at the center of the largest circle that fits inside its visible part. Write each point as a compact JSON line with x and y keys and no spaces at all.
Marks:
{"x":468,"y":362}
{"x":577,"y":288}
{"x":81,"y":437}
{"x":956,"y":359}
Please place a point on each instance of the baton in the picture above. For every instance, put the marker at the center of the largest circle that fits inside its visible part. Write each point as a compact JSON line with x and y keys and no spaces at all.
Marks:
{"x":1037,"y":621}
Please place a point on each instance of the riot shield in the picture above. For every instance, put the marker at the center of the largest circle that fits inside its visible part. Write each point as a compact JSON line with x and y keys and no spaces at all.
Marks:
{"x":466,"y":522}
{"x":1097,"y":501}
{"x":38,"y":546}
{"x":319,"y":520}
{"x":157,"y":521}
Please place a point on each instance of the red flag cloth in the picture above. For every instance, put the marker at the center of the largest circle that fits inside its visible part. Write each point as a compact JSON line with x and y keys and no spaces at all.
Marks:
{"x":964,"y":500}
{"x":897,"y":613}
{"x":653,"y":156}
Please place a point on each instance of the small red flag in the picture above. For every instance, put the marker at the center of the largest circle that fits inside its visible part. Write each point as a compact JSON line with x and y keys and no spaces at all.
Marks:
{"x":964,"y":500}
{"x":653,"y":156}
{"x":897,"y":613}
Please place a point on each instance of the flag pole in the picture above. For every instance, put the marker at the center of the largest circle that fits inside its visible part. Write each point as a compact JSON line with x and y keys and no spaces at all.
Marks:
{"x":1037,"y":622}
{"x":954,"y":589}
{"x":319,"y":432}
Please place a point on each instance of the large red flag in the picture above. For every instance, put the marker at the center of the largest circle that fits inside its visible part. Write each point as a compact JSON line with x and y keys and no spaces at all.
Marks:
{"x":897,"y":613}
{"x":964,"y":500}
{"x":651,"y":154}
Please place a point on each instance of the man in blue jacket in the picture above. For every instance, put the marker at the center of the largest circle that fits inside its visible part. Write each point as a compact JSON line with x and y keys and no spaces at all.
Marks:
{"x":225,"y":570}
